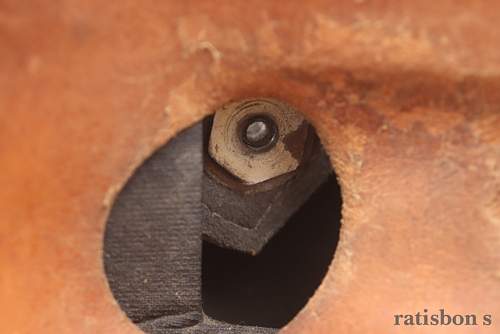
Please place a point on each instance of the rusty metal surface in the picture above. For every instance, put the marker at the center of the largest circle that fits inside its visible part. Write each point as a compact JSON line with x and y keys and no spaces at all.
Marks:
{"x":404,"y":95}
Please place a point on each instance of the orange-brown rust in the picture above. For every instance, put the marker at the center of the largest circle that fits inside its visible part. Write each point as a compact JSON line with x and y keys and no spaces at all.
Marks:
{"x":405,"y":96}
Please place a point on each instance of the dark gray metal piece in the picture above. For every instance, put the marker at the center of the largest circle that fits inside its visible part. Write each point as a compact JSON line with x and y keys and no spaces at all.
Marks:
{"x":244,"y":219}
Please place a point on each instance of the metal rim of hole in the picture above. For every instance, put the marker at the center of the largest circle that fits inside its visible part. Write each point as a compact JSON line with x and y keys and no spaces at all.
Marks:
{"x":259,"y":144}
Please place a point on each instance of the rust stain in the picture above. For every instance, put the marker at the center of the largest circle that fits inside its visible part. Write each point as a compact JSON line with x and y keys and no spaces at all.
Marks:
{"x":294,"y":141}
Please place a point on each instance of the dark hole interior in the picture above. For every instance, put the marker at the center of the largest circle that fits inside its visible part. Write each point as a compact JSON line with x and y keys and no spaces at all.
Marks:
{"x":269,"y":289}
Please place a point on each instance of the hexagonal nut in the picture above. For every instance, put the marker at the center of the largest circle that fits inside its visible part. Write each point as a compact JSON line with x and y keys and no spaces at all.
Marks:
{"x":229,"y":150}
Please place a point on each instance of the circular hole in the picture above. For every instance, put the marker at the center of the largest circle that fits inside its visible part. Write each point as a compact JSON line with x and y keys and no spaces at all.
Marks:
{"x":164,"y":277}
{"x":256,"y":132}
{"x":259,"y":132}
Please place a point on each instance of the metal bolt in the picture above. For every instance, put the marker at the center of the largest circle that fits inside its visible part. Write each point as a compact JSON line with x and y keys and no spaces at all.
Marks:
{"x":257,"y":139}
